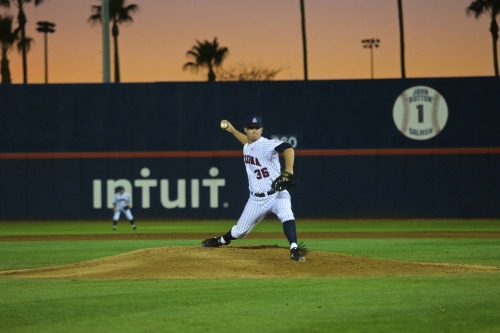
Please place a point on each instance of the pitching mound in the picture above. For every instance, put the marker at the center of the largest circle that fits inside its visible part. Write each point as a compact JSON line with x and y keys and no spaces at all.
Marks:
{"x":180,"y":262}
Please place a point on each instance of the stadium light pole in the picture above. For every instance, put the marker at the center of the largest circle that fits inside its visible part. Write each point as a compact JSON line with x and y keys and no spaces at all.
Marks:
{"x":105,"y":42}
{"x":46,"y":27}
{"x":371,"y":43}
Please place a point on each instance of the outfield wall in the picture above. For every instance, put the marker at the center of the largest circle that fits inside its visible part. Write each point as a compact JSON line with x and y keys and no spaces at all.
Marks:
{"x":363,"y":149}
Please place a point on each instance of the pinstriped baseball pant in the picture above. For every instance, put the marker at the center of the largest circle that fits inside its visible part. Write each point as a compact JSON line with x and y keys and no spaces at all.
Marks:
{"x":127,"y":212}
{"x":257,"y":208}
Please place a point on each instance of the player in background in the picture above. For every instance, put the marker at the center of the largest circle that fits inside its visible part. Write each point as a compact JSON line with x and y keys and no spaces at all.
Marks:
{"x":121,"y":204}
{"x":261,"y":158}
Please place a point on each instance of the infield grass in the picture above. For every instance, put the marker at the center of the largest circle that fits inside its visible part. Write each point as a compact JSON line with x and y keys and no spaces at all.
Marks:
{"x":22,"y":255}
{"x":10,"y":228}
{"x":468,"y":302}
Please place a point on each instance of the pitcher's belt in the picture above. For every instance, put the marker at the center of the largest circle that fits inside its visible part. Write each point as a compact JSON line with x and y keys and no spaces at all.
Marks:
{"x":263,"y":194}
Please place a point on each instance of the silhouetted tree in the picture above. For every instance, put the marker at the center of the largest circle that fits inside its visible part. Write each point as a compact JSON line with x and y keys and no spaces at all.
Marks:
{"x":491,"y":8}
{"x":118,"y":13}
{"x":25,"y":41}
{"x":244,"y":72}
{"x":206,"y":55}
{"x":401,"y":38}
{"x":7,"y":39}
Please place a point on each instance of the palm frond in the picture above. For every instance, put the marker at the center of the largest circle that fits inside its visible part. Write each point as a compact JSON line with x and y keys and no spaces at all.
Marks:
{"x":24,"y":44}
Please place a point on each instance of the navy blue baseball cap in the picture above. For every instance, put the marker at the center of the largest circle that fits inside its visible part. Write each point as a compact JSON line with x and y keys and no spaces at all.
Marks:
{"x":254,"y":121}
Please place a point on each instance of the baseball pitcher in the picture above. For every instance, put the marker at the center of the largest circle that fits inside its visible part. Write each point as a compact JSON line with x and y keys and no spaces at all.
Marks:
{"x":267,"y":185}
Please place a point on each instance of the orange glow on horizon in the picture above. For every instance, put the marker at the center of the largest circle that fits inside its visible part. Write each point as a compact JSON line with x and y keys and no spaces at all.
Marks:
{"x":441,"y":41}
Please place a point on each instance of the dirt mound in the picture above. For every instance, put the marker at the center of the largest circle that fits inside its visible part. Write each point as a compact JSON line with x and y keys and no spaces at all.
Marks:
{"x":180,"y":262}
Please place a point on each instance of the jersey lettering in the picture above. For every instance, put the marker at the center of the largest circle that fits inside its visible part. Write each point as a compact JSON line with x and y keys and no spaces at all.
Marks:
{"x":252,"y":160}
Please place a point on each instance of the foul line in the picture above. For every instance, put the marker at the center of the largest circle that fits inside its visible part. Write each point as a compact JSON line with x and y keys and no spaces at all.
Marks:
{"x":238,"y":153}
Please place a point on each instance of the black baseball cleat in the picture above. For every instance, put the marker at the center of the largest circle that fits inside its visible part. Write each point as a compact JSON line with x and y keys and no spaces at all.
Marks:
{"x":295,"y":253}
{"x":212,"y":242}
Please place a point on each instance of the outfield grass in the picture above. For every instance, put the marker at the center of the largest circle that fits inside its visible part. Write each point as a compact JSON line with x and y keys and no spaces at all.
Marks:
{"x":468,"y":302}
{"x":405,"y":304}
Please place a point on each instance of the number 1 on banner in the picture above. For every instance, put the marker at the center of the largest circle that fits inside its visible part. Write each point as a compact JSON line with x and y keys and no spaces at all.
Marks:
{"x":420,"y":108}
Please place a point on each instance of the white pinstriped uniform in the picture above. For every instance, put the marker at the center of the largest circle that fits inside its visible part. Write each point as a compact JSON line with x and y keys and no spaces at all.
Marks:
{"x":121,"y":201}
{"x":262,"y":166}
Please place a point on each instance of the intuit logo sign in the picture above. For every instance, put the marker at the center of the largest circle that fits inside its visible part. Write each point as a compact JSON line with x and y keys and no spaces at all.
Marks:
{"x":170,"y":192}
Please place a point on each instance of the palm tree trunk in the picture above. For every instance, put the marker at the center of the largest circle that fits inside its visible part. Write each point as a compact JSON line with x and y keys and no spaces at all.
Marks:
{"x":117,"y":61}
{"x":494,"y":35}
{"x":401,"y":38}
{"x":22,"y":24}
{"x":304,"y":43}
{"x":211,"y":74}
{"x":495,"y":57}
{"x":4,"y":68}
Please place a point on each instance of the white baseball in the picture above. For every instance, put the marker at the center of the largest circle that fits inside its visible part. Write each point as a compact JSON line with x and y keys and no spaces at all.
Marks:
{"x":223,"y":124}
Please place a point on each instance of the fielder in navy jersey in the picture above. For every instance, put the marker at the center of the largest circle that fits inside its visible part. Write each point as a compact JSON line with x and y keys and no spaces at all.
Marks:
{"x":261,"y":158}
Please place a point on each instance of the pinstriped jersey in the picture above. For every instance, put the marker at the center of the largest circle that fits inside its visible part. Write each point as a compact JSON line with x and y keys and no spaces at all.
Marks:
{"x":262,"y":164}
{"x":121,"y":200}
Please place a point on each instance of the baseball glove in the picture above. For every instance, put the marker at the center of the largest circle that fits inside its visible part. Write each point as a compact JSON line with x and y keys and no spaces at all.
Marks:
{"x":284,"y":181}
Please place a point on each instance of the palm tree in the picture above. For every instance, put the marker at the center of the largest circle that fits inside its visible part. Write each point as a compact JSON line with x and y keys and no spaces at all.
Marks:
{"x":118,"y":13}
{"x":401,"y":38}
{"x":304,"y":44}
{"x":25,"y":41}
{"x":7,"y":39}
{"x":491,"y":8}
{"x":206,"y":54}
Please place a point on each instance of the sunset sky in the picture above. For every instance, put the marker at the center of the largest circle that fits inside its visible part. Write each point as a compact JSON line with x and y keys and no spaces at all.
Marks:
{"x":441,"y":41}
